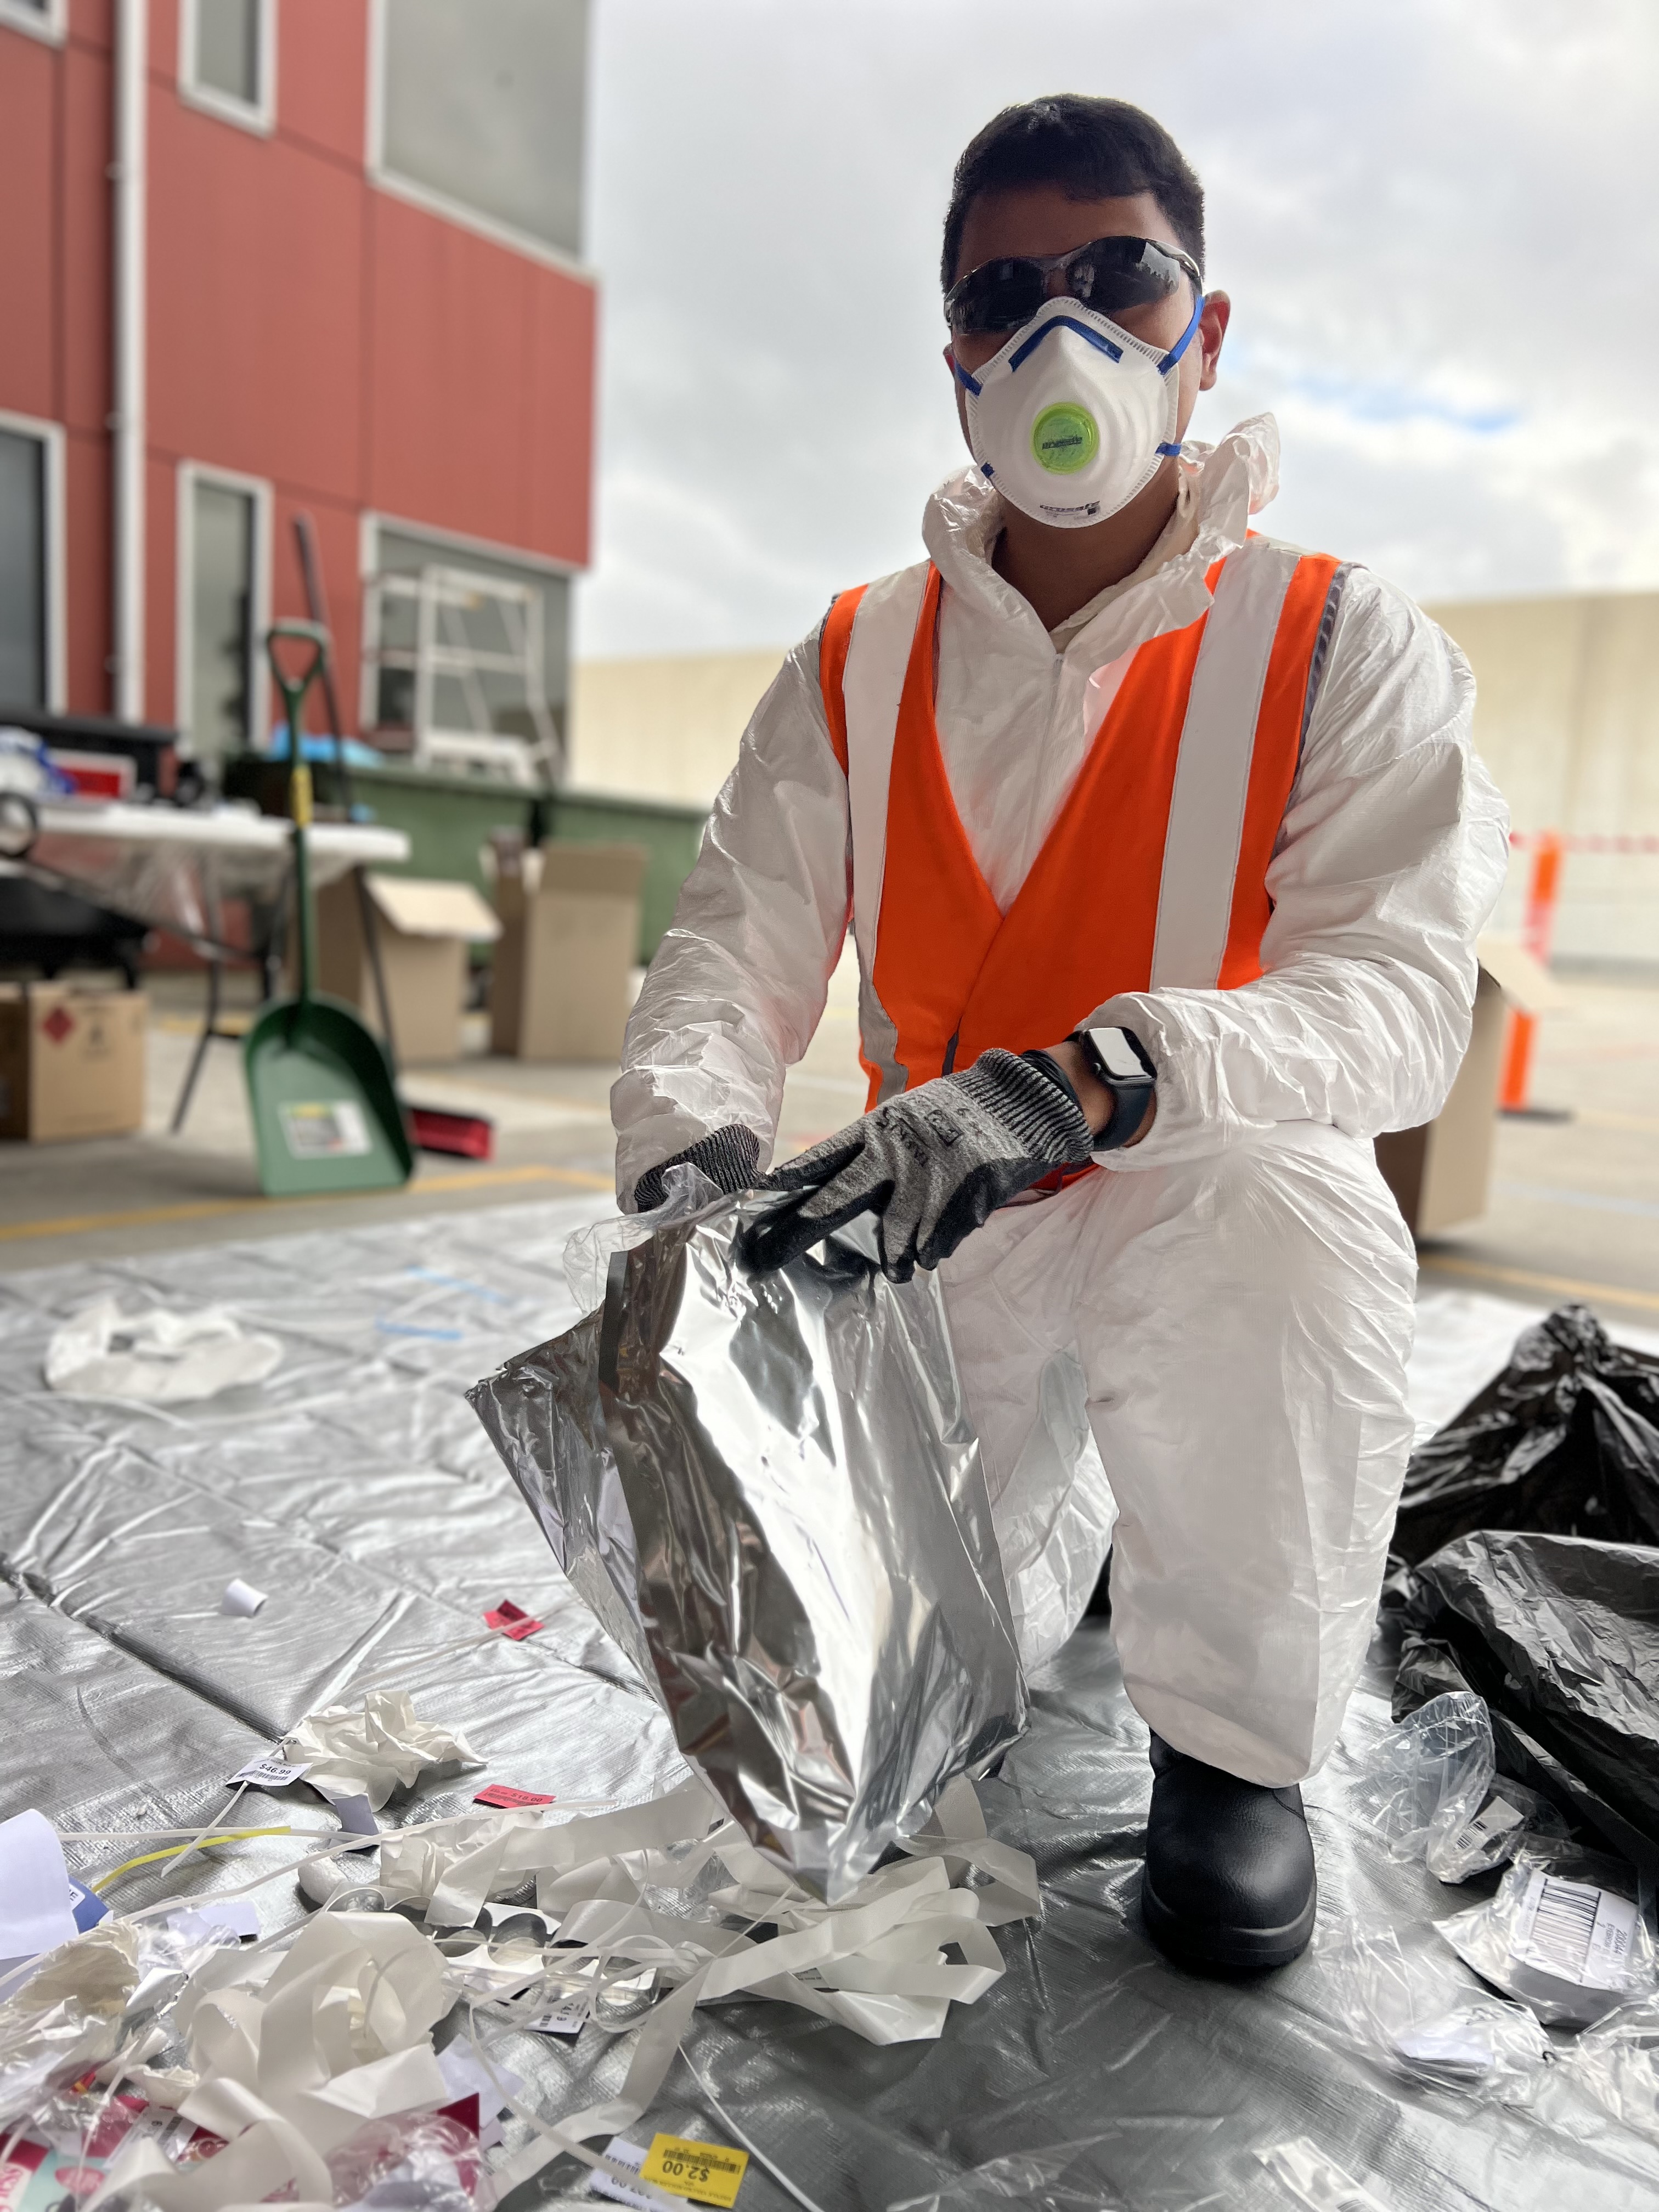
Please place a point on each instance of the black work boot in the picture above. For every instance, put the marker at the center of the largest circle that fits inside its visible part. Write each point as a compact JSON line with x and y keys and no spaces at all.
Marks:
{"x":1229,"y":1886}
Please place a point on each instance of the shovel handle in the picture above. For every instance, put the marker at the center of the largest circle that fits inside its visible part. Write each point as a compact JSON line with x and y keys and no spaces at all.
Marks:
{"x":294,"y":687}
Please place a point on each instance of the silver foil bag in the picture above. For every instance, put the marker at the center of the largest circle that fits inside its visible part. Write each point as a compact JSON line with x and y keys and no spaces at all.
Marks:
{"x":768,"y":1489}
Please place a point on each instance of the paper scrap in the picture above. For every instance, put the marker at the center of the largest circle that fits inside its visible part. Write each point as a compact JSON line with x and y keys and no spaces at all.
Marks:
{"x":36,"y":1911}
{"x":272,"y":1772}
{"x":707,"y":2172}
{"x":620,"y":2152}
{"x":87,"y":1905}
{"x":240,"y":1598}
{"x":1458,"y":2046}
{"x":502,"y":1794}
{"x":510,"y":1620}
{"x":376,"y":1746}
{"x":356,"y":1814}
{"x":200,"y":1919}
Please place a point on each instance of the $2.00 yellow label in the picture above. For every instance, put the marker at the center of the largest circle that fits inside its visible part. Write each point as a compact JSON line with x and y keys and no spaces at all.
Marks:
{"x":700,"y":2170}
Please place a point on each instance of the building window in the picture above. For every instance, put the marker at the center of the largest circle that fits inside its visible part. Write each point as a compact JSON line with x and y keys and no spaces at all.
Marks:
{"x":42,"y":19}
{"x":227,"y":58}
{"x":31,"y":560}
{"x":476,"y":676}
{"x":221,"y":613}
{"x":477,"y":105}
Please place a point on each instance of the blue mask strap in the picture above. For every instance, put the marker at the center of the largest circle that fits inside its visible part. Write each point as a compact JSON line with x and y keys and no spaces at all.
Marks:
{"x":1184,"y":340}
{"x":969,"y":383}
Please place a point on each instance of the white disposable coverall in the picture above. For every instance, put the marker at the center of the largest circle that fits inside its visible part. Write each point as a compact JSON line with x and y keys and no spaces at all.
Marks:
{"x":1225,"y":1311}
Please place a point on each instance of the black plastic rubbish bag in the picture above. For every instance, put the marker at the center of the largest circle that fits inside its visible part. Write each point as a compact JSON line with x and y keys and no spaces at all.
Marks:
{"x":1560,"y":1635}
{"x":1565,"y":1440}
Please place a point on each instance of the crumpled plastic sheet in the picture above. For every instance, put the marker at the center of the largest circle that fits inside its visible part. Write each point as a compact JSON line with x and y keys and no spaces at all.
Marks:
{"x":356,"y":1488}
{"x":157,"y":1355}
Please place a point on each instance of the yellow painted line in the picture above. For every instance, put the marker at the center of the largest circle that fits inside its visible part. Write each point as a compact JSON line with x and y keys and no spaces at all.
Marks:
{"x":582,"y":1177}
{"x":1524,"y":1278}
{"x":72,"y":1224}
{"x":77,"y":1224}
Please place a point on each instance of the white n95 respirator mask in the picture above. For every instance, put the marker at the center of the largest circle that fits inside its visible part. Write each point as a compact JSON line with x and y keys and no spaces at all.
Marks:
{"x":1073,"y":417}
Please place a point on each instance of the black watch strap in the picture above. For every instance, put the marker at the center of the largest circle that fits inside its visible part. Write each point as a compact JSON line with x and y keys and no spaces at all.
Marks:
{"x":1120,"y":1059}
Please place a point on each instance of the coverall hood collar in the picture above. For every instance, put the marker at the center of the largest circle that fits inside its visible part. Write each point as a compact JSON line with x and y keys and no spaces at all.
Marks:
{"x":1223,"y":485}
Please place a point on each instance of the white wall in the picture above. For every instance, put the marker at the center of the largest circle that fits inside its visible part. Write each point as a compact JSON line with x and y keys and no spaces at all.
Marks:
{"x":663,"y":729}
{"x":1567,"y":720}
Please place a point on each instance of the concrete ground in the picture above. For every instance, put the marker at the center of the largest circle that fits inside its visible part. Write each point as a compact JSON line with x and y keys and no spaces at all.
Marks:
{"x":104,"y":1198}
{"x":1574,"y":1206}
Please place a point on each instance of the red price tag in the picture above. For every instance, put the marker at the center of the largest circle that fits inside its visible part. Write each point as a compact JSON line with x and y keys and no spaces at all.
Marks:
{"x":510,"y":1620}
{"x":503,"y":1795}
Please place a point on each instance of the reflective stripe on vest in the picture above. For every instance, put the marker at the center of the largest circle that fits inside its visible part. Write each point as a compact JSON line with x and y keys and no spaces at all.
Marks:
{"x":1153,"y":874}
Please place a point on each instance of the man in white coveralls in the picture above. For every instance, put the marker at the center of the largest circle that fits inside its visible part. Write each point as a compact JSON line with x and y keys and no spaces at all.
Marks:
{"x":1164,"y":852}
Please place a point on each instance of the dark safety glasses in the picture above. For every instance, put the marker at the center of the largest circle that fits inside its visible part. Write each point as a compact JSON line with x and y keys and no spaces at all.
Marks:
{"x":1108,"y":274}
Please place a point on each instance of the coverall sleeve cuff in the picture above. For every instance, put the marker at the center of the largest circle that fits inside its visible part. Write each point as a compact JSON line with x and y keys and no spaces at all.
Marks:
{"x":1190,"y":1123}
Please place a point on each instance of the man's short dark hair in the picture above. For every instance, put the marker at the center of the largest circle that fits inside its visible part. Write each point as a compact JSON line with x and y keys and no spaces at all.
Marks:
{"x":1093,"y":149}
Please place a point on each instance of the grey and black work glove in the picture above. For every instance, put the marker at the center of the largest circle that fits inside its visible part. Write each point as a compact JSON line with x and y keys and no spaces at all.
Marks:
{"x":931,"y":1163}
{"x":728,"y":1157}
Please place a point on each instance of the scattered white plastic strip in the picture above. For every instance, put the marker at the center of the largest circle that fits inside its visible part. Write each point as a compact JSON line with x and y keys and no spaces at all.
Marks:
{"x":661,"y":1897}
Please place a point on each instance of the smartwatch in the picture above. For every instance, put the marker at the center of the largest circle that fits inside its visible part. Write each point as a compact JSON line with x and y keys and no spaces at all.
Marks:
{"x":1119,"y":1059}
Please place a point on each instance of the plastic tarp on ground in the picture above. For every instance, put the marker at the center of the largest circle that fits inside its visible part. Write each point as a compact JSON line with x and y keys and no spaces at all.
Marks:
{"x":358,"y":1491}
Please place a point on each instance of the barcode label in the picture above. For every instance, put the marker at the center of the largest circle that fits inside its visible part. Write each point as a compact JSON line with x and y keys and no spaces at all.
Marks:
{"x":1497,"y":1820}
{"x":1575,"y":1931}
{"x":324,"y":1129}
{"x":620,"y":2152}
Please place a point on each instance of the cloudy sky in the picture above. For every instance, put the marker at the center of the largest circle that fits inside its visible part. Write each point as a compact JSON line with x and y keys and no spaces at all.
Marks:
{"x":1437,"y":219}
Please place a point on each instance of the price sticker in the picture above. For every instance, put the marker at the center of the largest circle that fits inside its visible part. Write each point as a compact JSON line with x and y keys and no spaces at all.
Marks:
{"x":512,"y":1620}
{"x":702,"y":2171}
{"x":564,"y":2019}
{"x":271,"y":1773}
{"x":502,"y":1794}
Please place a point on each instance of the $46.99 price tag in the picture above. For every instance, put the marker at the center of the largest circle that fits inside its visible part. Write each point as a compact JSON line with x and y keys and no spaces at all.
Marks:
{"x":702,"y":2171}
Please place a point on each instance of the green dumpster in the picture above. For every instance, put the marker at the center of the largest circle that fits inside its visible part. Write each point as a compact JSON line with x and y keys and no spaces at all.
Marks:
{"x":448,"y":820}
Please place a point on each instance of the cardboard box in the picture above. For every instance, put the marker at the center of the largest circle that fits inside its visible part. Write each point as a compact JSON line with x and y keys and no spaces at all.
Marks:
{"x":570,"y":934}
{"x":71,"y":1061}
{"x":423,"y":929}
{"x":1441,"y":1173}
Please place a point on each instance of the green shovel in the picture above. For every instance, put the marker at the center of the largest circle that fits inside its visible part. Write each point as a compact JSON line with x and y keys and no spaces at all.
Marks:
{"x":320,"y":1085}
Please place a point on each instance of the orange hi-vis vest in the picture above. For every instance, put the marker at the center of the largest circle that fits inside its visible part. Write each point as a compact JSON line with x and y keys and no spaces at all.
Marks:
{"x":1154,"y":871}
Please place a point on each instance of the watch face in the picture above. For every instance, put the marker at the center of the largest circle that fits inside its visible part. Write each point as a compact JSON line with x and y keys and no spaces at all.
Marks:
{"x":1118,"y":1056}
